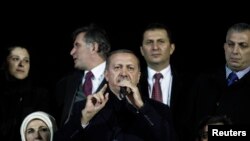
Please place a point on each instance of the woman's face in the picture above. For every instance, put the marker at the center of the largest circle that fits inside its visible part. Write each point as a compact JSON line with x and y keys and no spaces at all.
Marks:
{"x":19,"y":63}
{"x":37,"y":130}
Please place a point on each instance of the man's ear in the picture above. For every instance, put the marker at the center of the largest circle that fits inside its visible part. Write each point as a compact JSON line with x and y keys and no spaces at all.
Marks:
{"x":172,"y":48}
{"x":141,"y":50}
{"x":139,"y":76}
{"x":95,"y":47}
{"x":106,"y":75}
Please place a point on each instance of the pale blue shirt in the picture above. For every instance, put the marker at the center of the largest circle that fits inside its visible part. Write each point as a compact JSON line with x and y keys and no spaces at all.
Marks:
{"x":240,"y":74}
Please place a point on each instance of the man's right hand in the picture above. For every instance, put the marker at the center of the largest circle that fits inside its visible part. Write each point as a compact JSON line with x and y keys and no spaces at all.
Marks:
{"x":95,"y":102}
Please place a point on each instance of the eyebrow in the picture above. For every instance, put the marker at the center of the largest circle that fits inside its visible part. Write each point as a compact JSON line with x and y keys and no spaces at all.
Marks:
{"x":236,"y":42}
{"x":38,"y":127}
{"x":18,"y":56}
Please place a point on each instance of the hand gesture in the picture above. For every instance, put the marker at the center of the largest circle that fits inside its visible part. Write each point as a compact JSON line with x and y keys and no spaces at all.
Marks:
{"x":95,"y":102}
{"x":134,"y":95}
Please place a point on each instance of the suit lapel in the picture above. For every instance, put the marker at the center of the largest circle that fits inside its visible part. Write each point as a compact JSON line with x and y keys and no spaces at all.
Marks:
{"x":72,"y":88}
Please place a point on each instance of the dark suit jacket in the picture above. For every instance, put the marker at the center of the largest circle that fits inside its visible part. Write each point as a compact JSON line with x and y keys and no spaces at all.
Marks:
{"x":178,"y":100}
{"x":176,"y":92}
{"x":119,"y":121}
{"x":212,"y":96}
{"x":66,"y":90}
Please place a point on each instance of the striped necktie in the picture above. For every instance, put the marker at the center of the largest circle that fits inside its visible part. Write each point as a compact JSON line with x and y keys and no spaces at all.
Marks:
{"x":232,"y":78}
{"x":87,"y":86}
{"x":156,"y":93}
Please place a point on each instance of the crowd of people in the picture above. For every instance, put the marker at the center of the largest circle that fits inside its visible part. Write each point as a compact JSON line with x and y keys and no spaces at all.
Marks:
{"x":110,"y":96}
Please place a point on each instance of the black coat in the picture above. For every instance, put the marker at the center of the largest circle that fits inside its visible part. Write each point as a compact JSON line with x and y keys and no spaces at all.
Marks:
{"x":179,"y":96}
{"x":18,"y":99}
{"x":119,"y":121}
{"x":212,"y":96}
{"x":66,"y":90}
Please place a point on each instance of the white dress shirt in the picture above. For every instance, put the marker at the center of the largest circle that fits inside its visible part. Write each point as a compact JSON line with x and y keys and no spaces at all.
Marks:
{"x":98,"y":73}
{"x":166,"y":83}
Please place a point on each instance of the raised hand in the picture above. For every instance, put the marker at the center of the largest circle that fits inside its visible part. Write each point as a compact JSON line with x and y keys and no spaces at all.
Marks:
{"x":134,"y":95}
{"x":95,"y":102}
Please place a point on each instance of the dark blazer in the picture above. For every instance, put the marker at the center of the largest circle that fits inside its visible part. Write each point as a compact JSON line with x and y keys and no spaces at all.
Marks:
{"x":66,"y":90}
{"x":178,"y":100}
{"x":212,"y":96}
{"x":119,"y":121}
{"x":176,"y":92}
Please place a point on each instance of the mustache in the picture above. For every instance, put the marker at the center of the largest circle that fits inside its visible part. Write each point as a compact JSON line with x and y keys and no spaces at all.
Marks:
{"x":122,"y":78}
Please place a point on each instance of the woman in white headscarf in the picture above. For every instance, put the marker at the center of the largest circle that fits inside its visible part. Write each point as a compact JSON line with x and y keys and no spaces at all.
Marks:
{"x":38,"y":126}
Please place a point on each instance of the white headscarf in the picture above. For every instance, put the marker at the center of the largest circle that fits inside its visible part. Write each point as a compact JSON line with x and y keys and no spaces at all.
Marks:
{"x":48,"y":119}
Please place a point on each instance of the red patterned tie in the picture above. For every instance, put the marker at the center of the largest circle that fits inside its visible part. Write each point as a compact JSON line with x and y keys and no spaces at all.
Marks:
{"x":87,"y":86}
{"x":156,"y":93}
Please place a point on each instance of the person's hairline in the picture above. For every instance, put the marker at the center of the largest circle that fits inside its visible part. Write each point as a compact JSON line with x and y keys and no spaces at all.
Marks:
{"x":120,"y":51}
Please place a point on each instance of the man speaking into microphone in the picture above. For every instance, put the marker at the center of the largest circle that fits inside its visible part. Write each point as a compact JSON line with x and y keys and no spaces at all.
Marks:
{"x":118,"y":112}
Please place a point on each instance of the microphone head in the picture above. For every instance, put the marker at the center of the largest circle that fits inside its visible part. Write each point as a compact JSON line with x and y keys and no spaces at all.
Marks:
{"x":123,"y":92}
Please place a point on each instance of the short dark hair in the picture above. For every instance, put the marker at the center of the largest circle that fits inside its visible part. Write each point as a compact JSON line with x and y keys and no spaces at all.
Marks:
{"x":94,"y":33}
{"x":154,"y":26}
{"x":121,"y":51}
{"x":238,"y":27}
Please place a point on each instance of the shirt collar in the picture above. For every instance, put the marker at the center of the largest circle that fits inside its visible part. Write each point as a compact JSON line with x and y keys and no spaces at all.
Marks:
{"x":98,"y":71}
{"x":164,"y":72}
{"x":240,"y":74}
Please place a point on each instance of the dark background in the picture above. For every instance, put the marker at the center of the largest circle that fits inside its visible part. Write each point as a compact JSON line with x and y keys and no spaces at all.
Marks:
{"x":198,"y":31}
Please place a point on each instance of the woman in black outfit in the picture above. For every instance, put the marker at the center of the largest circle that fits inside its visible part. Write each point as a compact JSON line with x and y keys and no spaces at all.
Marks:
{"x":19,"y":95}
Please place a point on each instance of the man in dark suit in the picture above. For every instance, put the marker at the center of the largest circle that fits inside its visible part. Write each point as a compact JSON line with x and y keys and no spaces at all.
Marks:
{"x":120,"y":113}
{"x":90,"y":49}
{"x":219,"y":93}
{"x":157,"y":47}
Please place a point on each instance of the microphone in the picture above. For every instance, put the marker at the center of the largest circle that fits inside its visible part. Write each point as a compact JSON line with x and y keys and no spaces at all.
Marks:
{"x":123,"y":92}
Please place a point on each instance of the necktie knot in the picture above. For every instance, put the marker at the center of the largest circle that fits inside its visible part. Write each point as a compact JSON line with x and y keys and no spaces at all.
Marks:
{"x":232,"y":77}
{"x":158,"y":76}
{"x":89,"y":75}
{"x":87,"y":86}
